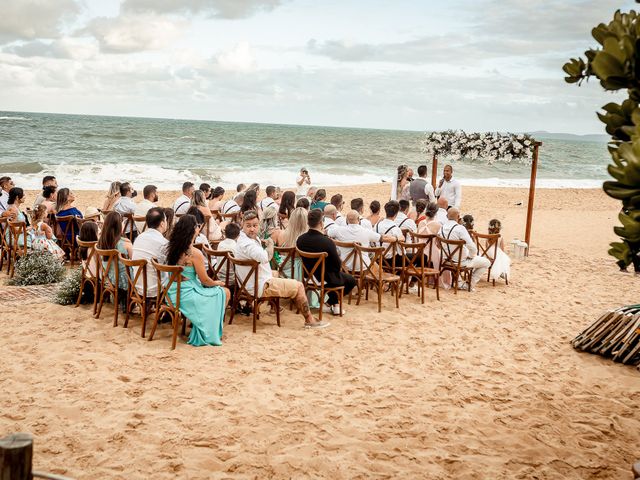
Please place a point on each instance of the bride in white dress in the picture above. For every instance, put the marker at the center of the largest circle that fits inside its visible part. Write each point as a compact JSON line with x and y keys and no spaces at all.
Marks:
{"x":501,"y":267}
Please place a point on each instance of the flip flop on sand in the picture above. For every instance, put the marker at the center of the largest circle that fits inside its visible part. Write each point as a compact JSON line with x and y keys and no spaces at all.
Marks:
{"x":317,"y":325}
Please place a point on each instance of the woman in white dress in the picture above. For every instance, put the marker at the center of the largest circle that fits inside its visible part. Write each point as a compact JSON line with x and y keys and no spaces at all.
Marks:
{"x":400,"y":185}
{"x":501,"y":267}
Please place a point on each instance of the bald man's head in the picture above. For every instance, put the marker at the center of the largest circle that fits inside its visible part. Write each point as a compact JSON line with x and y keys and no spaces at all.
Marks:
{"x":443,"y":203}
{"x":330,"y":211}
{"x":353,"y":217}
{"x":453,"y":214}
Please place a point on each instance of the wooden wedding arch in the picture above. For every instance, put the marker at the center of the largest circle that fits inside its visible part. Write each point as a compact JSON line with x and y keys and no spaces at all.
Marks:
{"x":491,"y":147}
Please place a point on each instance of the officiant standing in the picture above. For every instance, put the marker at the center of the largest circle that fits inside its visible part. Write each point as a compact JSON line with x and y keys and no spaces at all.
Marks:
{"x":449,"y":188}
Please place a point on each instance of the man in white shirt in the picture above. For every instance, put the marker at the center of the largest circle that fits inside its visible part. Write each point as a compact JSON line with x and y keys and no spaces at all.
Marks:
{"x":151,"y":244}
{"x":125,"y":205}
{"x":357,"y":204}
{"x":303,"y":182}
{"x":269,"y":200}
{"x":420,"y":187}
{"x":250,"y":248}
{"x":441,"y":214}
{"x":329,"y":220}
{"x":229,"y":244}
{"x":150,"y":193}
{"x":402,"y":220}
{"x":449,"y":188}
{"x":387,"y":226}
{"x":233,"y":204}
{"x":452,"y":230}
{"x":183,"y":202}
{"x":355,"y":232}
{"x":47,"y":181}
{"x":338,"y":202}
{"x":6,"y":184}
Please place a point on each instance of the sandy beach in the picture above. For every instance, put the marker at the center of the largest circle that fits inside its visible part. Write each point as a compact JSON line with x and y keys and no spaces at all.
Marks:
{"x":479,"y":385}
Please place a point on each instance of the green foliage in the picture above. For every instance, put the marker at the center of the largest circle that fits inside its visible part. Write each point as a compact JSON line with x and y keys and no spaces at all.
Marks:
{"x":38,"y":268}
{"x":616,"y":64}
{"x":69,"y":289}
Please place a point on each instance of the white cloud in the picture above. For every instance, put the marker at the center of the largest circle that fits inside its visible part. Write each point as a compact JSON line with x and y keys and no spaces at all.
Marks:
{"x":231,"y":9}
{"x":67,"y":48}
{"x":130,"y":33}
{"x":31,"y":19}
{"x":238,"y":59}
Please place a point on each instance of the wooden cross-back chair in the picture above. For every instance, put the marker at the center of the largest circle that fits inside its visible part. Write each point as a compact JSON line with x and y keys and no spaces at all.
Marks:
{"x":349,"y":264}
{"x":451,"y":260}
{"x":128,"y":223}
{"x":243,"y":292}
{"x":136,"y":271}
{"x":215,"y":214}
{"x":51,"y":221}
{"x":217,"y":260}
{"x":16,"y":230}
{"x":230,"y":217}
{"x":373,"y":274}
{"x":67,"y":235}
{"x":287,"y":267}
{"x":415,"y":264}
{"x":487,"y":244}
{"x":214,"y":243}
{"x":140,"y":219}
{"x":313,"y":284}
{"x":5,"y":250}
{"x":164,"y":304}
{"x":108,"y":261}
{"x":89,"y":275}
{"x":389,"y":264}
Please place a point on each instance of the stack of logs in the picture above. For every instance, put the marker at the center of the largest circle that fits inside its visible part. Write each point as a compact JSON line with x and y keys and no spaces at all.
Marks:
{"x":615,"y":334}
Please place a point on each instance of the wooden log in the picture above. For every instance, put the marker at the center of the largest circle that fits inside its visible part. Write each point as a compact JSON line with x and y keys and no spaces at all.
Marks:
{"x":16,"y":456}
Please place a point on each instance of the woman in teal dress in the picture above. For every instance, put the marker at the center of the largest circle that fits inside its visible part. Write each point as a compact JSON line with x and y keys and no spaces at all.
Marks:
{"x":202,"y":300}
{"x":111,"y":238}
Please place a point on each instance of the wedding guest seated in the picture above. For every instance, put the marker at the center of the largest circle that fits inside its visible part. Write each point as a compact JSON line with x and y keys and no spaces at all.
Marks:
{"x":205,"y":188}
{"x":338,"y":202}
{"x":315,"y":241}
{"x":269,"y":200}
{"x":452,"y":230}
{"x":357,"y":233}
{"x":216,"y":198}
{"x":233,"y":204}
{"x":297,"y":226}
{"x":467,"y":222}
{"x":269,"y":223}
{"x":443,"y":206}
{"x":311,"y":193}
{"x":402,"y":219}
{"x":419,"y":215}
{"x":303,"y":203}
{"x":357,"y":204}
{"x":170,"y":216}
{"x":151,"y":244}
{"x":49,"y":194}
{"x":199,"y":201}
{"x":329,"y":221}
{"x":150,"y":200}
{"x":249,"y":247}
{"x":319,"y":200}
{"x":229,"y":244}
{"x":43,"y":238}
{"x":65,"y":208}
{"x":111,"y":239}
{"x":388,"y":227}
{"x":241,"y":187}
{"x":183,"y":202}
{"x":15,"y":214}
{"x":125,"y":205}
{"x":374,"y":216}
{"x":48,"y":181}
{"x":201,"y":238}
{"x":112,"y":197}
{"x":202,"y":300}
{"x":89,"y":233}
{"x":249,"y":202}
{"x":430,"y":225}
{"x":6,"y":184}
{"x":287,"y":204}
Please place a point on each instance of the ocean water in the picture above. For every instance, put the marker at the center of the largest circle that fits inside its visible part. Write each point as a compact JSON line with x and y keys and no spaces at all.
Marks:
{"x":89,"y":152}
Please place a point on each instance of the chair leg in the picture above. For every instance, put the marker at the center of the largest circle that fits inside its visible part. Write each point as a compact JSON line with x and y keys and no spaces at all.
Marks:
{"x":277,"y":302}
{"x":397,"y":287}
{"x":82,"y":283}
{"x":422,"y":289}
{"x":143,"y":311}
{"x":176,"y":326}
{"x":380,"y":289}
{"x":97,"y":314}
{"x":128,"y":309}
{"x":506,"y":279}
{"x":340,"y":297}
{"x":156,"y":318}
{"x":321,"y":302}
{"x":256,"y":305}
{"x":115,"y":307}
{"x":437,"y":281}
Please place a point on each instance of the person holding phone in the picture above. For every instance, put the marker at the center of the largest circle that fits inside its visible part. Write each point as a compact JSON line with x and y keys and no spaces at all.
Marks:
{"x":303,"y":182}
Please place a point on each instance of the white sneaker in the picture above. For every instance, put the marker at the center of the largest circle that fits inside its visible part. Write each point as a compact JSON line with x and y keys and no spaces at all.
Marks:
{"x":335,"y":309}
{"x":327,"y":309}
{"x":413,"y":289}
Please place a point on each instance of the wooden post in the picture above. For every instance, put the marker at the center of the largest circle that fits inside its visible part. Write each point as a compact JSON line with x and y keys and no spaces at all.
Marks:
{"x":16,"y":456}
{"x":434,"y":171}
{"x":532,"y":194}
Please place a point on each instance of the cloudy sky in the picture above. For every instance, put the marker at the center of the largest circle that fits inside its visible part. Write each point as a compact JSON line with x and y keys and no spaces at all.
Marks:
{"x":425,"y":64}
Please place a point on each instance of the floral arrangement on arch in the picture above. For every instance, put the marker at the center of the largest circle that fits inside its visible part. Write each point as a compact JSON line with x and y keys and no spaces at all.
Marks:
{"x":490,"y":146}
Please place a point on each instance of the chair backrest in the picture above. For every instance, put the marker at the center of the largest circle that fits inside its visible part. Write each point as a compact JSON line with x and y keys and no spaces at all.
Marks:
{"x":242,"y":282}
{"x":412,"y":258}
{"x":110,"y":256}
{"x":217,"y":259}
{"x":70,"y":230}
{"x":429,"y":239}
{"x":141,"y":219}
{"x":4,"y":228}
{"x":214,"y":243}
{"x":215,"y":214}
{"x":92,"y":257}
{"x":451,"y":252}
{"x":230,"y":217}
{"x":173,"y":274}
{"x":315,"y":266}
{"x":349,"y":262}
{"x":18,"y":229}
{"x":127,"y":224}
{"x":376,"y":255}
{"x":135,"y":270}
{"x":288,"y":257}
{"x":487,"y":244}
